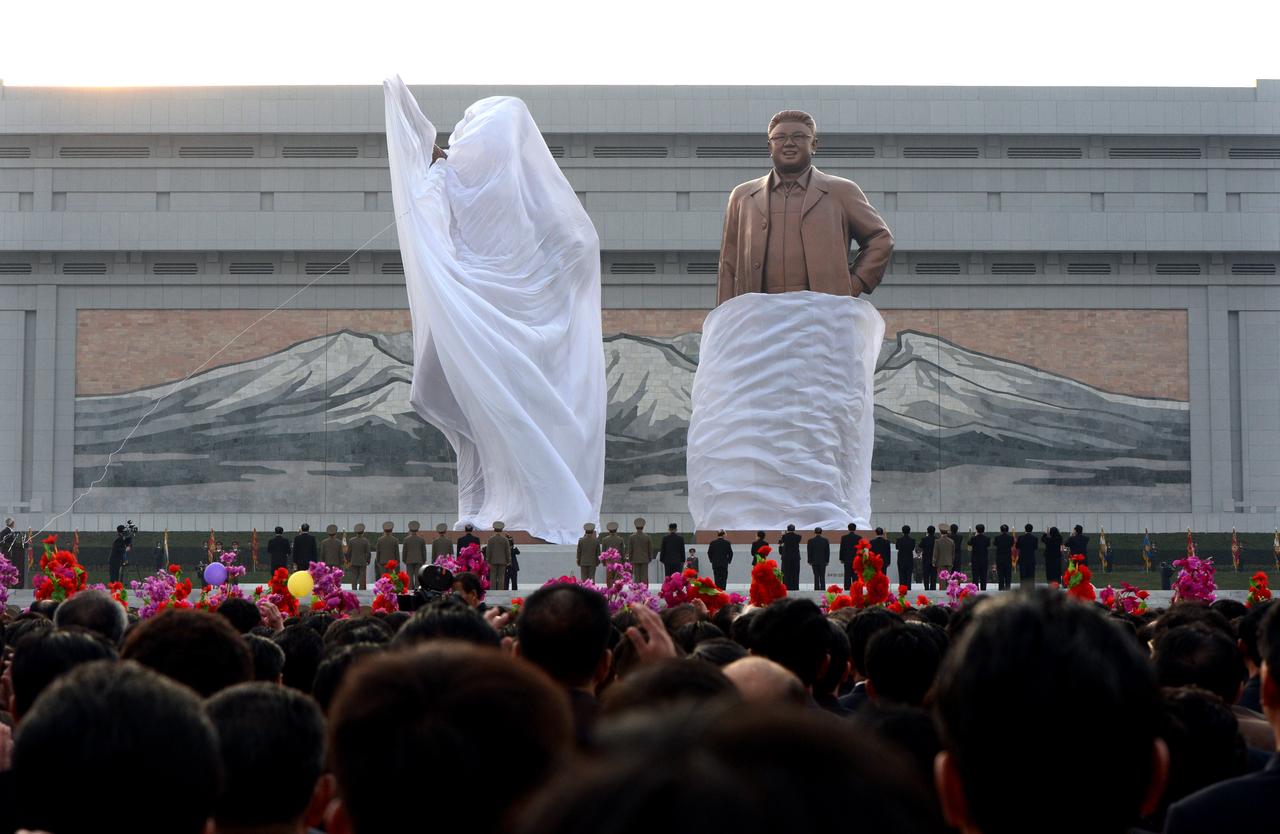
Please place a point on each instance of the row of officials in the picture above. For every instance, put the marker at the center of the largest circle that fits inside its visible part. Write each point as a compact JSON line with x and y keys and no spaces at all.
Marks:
{"x":938,"y":549}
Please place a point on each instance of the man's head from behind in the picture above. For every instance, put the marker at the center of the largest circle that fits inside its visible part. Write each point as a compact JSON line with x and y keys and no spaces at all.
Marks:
{"x":269,"y":736}
{"x":901,"y":664}
{"x":44,"y":656}
{"x":96,"y":611}
{"x":1021,"y":659}
{"x":794,"y":633}
{"x":199,"y":649}
{"x":454,"y":706}
{"x":127,"y":726}
{"x":1195,"y":655}
{"x":565,"y":631}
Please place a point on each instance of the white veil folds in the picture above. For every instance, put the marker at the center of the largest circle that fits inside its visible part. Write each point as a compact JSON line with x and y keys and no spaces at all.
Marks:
{"x":502,"y":267}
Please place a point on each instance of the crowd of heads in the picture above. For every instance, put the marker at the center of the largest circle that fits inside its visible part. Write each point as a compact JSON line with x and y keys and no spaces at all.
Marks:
{"x":564,"y":718}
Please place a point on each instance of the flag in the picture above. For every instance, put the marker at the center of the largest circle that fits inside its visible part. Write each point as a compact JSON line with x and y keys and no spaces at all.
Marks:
{"x":210,"y":546}
{"x":75,"y":545}
{"x":253,"y":547}
{"x":1275,"y":548}
{"x":166,"y":548}
{"x":1191,"y":545}
{"x":1104,"y":550}
{"x":1016,"y":555}
{"x":1147,"y":549}
{"x":31,"y":549}
{"x":1235,"y":550}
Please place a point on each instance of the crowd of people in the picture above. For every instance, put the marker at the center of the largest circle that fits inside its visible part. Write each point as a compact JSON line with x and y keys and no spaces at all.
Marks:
{"x":1029,"y":711}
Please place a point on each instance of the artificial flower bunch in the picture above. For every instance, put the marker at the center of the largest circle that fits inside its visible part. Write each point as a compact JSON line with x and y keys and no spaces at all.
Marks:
{"x":62,"y":576}
{"x":162,"y":590}
{"x":115,"y":589}
{"x":388,"y":588}
{"x":900,"y":603}
{"x":8,"y":579}
{"x":958,"y":587}
{"x":766,"y":579}
{"x":328,"y":593}
{"x":870,"y":585}
{"x":1129,"y":599}
{"x":623,"y":591}
{"x":1078,"y":579}
{"x":277,"y":593}
{"x":687,"y":586}
{"x":212,"y":596}
{"x":469,"y":560}
{"x":1259,"y":590}
{"x":1195,"y":580}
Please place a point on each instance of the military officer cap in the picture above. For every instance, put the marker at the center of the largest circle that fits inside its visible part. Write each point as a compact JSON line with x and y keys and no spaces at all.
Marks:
{"x":331,"y":529}
{"x":360,"y":527}
{"x":388,"y":526}
{"x":639,"y":522}
{"x":414,"y":526}
{"x":499,"y":526}
{"x":442,"y":527}
{"x":613,"y":526}
{"x":589,"y":527}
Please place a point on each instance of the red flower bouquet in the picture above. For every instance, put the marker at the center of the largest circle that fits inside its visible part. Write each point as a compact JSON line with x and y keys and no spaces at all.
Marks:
{"x":62,"y":576}
{"x":1078,"y":580}
{"x":766,"y":581}
{"x":1259,"y":590}
{"x":277,"y":593}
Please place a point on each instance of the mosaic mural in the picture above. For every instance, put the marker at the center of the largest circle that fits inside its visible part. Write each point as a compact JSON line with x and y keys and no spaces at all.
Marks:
{"x":310,"y":411}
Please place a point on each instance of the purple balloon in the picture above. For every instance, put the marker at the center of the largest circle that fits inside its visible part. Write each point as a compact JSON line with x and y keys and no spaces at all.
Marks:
{"x":215,"y":574}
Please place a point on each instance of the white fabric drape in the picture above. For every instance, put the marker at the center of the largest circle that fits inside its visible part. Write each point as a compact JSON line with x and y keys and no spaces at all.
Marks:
{"x":502,"y":267}
{"x":783,"y":418}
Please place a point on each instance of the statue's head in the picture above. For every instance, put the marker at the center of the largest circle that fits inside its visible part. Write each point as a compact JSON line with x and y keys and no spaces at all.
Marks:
{"x":793,"y":140}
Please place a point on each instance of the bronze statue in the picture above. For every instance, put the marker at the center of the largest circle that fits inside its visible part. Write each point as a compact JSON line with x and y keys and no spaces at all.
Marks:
{"x":790,"y":229}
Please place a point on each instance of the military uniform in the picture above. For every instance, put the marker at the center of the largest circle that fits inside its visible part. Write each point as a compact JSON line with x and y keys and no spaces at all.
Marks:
{"x":388,"y":546}
{"x":414,"y":552}
{"x":498,"y":554}
{"x":441,"y":545}
{"x":331,"y":547}
{"x":640,"y":553}
{"x":588,"y":553}
{"x":612,"y":541}
{"x":358,"y":550}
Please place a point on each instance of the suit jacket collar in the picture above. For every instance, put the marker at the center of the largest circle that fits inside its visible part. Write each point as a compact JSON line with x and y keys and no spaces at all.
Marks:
{"x":819,"y":185}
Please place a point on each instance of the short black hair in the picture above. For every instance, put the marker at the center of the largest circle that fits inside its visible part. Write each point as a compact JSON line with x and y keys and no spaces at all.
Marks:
{"x":1004,"y":528}
{"x":268,"y":658}
{"x":666,"y":683}
{"x":879,"y":531}
{"x":303,"y":648}
{"x":673,"y":526}
{"x":902,"y":662}
{"x":1029,"y":527}
{"x":241,"y":613}
{"x":1193,"y":655}
{"x":1078,"y":528}
{"x":838,"y":649}
{"x":267,"y":735}
{"x":1269,"y":641}
{"x":96,"y":611}
{"x":1232,"y":609}
{"x":469,"y":581}
{"x":306,"y":528}
{"x":318,"y":621}
{"x":279,"y":531}
{"x":720,"y":651}
{"x":906,"y":530}
{"x":1038,"y":653}
{"x":193,"y":647}
{"x":1204,"y":742}
{"x":791,"y":528}
{"x":354,"y":630}
{"x":689,"y":635}
{"x":862,"y":628}
{"x":930,"y":530}
{"x":852,"y":527}
{"x":450,"y":618}
{"x":564,"y":629}
{"x":44,"y":656}
{"x":333,"y":670}
{"x":1249,"y":630}
{"x":114,"y":720}
{"x":454,"y":705}
{"x":759,"y":534}
{"x":794,"y":633}
{"x":981,"y":528}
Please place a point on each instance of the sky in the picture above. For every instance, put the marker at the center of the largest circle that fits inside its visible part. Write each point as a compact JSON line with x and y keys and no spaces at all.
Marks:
{"x":913,"y":42}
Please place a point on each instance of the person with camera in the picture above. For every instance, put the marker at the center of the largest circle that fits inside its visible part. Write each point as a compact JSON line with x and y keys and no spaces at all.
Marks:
{"x":120,"y":550}
{"x":13,"y":548}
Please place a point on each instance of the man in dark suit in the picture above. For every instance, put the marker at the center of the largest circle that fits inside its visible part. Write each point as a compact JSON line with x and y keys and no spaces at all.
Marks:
{"x":468,"y":537}
{"x":849,"y":549}
{"x":119,"y":552}
{"x":957,"y":539}
{"x":789,"y":558}
{"x":1078,"y":545}
{"x":720,"y":554}
{"x":671,"y":554}
{"x":304,"y":549}
{"x":881,"y":547}
{"x":928,"y":571}
{"x":757,"y":544}
{"x":979,"y":553}
{"x":906,"y":556}
{"x":279,"y":550}
{"x":819,"y":556}
{"x":1247,"y":803}
{"x":1004,"y":558}
{"x":1027,"y":546}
